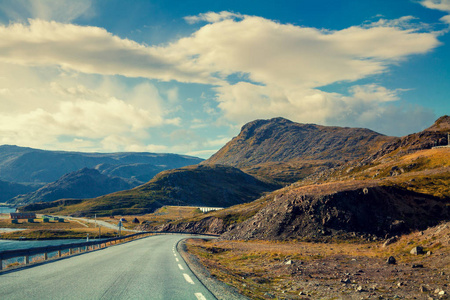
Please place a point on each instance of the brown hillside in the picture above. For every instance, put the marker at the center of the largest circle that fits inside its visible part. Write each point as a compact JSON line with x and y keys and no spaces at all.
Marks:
{"x":435,"y":135}
{"x":286,"y":151}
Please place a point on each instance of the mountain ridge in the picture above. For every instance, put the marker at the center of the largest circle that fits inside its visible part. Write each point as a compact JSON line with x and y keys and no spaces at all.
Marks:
{"x":212,"y":185}
{"x":285,"y":151}
{"x":22,"y":164}
{"x":84,"y":183}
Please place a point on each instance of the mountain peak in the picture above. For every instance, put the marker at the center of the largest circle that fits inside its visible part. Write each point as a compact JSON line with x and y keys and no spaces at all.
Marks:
{"x":281,"y":140}
{"x":441,"y":124}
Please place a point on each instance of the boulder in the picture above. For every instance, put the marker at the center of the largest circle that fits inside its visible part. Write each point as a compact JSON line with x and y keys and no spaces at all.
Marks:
{"x":391,"y":260}
{"x":416,"y":250}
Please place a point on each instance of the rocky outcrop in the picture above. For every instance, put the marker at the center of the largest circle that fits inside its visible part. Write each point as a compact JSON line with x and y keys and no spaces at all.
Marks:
{"x":370,"y":211}
{"x":209,"y":225}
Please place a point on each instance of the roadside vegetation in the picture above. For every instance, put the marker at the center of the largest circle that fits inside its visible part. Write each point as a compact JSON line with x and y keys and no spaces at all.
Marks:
{"x":336,"y":270}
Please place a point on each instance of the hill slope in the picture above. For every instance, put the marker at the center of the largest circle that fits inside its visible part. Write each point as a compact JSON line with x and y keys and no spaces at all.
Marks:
{"x":286,"y":151}
{"x":85,"y":183}
{"x":10,"y":189}
{"x":405,"y":189}
{"x":218,"y":186}
{"x":19,"y":164}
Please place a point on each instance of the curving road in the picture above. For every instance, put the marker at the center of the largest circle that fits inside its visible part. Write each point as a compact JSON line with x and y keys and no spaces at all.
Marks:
{"x":149,"y":268}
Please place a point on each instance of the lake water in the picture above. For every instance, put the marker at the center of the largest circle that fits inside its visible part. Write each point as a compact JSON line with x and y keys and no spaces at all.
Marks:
{"x":13,"y":245}
{"x":6,"y":210}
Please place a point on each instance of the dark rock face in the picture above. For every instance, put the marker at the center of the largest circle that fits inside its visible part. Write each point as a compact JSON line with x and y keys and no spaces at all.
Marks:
{"x":378,"y":211}
{"x":210,"y":225}
{"x":85,"y":183}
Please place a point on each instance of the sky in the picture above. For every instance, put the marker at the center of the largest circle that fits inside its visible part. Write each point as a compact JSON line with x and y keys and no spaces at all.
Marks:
{"x":184,"y":76}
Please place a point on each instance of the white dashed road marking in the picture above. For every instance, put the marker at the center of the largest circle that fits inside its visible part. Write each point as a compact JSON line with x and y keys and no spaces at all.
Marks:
{"x":188,"y":278}
{"x":176,"y":259}
{"x":200,"y":296}
{"x":180,"y":266}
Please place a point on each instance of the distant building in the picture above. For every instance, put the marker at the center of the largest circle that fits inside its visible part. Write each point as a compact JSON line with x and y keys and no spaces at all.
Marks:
{"x":17,"y":216}
{"x":208,"y":209}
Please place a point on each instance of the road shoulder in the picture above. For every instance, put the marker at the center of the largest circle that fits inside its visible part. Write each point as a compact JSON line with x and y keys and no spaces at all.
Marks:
{"x":219,"y":289}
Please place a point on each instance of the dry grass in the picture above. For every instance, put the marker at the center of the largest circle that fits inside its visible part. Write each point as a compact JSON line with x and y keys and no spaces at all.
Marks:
{"x":258,"y":268}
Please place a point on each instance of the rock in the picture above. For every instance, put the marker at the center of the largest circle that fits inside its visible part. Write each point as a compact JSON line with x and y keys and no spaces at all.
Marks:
{"x":423,"y":289}
{"x":289,"y":262}
{"x":441,"y":293}
{"x":359,"y":289}
{"x":417,"y":266}
{"x":416,"y":250}
{"x":346,"y":280}
{"x":390,"y":241}
{"x":429,"y":253}
{"x":391,"y":260}
{"x":269,"y":295}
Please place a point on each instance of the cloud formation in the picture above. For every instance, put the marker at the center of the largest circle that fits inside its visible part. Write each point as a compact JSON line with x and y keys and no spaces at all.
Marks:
{"x":92,"y":50}
{"x":443,"y":5}
{"x":257,"y":67}
{"x":284,"y":66}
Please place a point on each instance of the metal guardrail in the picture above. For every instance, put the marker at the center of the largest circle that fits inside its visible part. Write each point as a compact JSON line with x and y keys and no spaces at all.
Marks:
{"x":74,"y":248}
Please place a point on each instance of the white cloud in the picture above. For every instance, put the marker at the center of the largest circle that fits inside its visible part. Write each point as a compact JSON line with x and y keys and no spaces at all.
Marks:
{"x":280,"y":66}
{"x":81,"y":111}
{"x":92,"y":50}
{"x":443,"y":5}
{"x":369,"y":106}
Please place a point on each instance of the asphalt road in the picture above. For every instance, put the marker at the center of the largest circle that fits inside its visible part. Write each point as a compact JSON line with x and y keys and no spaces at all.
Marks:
{"x":149,"y":268}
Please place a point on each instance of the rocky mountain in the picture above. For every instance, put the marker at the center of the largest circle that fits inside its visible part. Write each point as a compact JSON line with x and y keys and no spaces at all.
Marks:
{"x":25,"y":165}
{"x":403,"y":190}
{"x":10,"y":189}
{"x":286,"y":151}
{"x":85,"y":183}
{"x":201,"y":185}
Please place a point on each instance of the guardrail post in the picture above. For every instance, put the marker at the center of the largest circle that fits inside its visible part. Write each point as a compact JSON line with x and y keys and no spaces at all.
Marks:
{"x":70,"y":251}
{"x":27,"y":259}
{"x":59,"y":253}
{"x":45,"y":256}
{"x":1,"y":264}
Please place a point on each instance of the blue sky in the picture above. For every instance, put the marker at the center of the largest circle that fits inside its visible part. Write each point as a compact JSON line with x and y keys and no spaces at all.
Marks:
{"x":184,"y":76}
